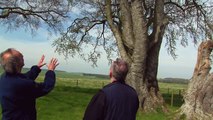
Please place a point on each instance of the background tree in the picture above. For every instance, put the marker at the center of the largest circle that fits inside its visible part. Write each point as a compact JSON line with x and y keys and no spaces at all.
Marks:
{"x":199,"y":95}
{"x":138,"y":28}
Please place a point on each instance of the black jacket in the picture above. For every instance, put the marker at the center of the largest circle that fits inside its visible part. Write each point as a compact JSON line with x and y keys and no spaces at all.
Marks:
{"x":116,"y":101}
{"x":18,"y":93}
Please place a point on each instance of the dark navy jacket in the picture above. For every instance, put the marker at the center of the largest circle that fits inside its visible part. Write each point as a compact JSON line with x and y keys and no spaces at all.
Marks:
{"x":18,"y":93}
{"x":116,"y":101}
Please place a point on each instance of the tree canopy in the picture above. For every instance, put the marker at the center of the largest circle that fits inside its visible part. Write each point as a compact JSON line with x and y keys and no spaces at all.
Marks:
{"x":32,"y":14}
{"x":187,"y":21}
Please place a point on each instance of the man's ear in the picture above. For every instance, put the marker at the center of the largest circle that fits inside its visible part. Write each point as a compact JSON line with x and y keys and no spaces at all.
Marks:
{"x":110,"y":74}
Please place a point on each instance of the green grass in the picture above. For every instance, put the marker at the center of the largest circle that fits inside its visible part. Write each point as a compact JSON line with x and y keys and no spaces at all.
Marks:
{"x":151,"y":116}
{"x":73,"y":92}
{"x":70,"y":98}
{"x":64,"y":103}
{"x":69,"y":103}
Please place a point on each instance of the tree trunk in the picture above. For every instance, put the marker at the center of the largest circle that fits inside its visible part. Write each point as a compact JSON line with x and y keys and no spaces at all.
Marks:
{"x":199,"y":95}
{"x":146,"y":83}
{"x":144,"y":67}
{"x":140,"y":49}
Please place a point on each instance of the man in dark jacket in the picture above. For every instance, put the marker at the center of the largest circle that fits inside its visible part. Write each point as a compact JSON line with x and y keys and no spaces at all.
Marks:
{"x":18,"y":92}
{"x":117,"y":100}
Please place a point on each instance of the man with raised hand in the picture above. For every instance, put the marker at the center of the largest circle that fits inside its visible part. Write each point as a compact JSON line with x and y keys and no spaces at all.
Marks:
{"x":18,"y":92}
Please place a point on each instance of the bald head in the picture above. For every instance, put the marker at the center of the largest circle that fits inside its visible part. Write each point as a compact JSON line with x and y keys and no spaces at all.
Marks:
{"x":12,"y":61}
{"x":119,"y":70}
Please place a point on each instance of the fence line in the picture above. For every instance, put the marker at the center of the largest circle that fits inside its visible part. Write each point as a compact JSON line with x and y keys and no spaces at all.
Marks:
{"x":170,"y":94}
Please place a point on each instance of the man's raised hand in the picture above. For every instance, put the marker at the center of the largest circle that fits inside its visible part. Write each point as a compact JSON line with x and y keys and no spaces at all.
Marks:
{"x":53,"y":64}
{"x":41,"y":62}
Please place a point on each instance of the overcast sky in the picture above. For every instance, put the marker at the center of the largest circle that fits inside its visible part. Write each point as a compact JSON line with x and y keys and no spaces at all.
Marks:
{"x":33,"y":47}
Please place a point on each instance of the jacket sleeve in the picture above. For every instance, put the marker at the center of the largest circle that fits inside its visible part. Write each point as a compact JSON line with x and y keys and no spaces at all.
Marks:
{"x":96,"y":107}
{"x":33,"y":73}
{"x":34,"y":89}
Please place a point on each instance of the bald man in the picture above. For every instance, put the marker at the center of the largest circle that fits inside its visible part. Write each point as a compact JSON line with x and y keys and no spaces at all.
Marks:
{"x":117,"y":100}
{"x":18,"y":92}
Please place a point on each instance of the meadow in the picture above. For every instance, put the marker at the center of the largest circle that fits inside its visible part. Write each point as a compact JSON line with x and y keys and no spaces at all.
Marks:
{"x":73,"y":92}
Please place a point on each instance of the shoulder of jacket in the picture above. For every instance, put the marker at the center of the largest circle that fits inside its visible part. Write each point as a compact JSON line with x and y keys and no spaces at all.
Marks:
{"x":130,"y":87}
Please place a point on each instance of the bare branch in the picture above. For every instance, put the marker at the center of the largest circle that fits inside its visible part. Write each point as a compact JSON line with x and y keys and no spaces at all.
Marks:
{"x":33,"y":14}
{"x":175,"y":4}
{"x":116,"y":31}
{"x":25,"y":12}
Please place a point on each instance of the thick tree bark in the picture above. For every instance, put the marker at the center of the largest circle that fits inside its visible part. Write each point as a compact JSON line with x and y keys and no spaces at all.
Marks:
{"x":199,"y":95}
{"x":154,"y":98}
{"x":140,"y":49}
{"x":144,"y":67}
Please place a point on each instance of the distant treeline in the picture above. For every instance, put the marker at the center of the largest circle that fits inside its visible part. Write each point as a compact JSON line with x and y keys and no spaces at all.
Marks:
{"x":174,"y":80}
{"x":64,"y":74}
{"x":97,"y":75}
{"x":166,"y":80}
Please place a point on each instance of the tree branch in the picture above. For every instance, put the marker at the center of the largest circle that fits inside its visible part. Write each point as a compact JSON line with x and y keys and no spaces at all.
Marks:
{"x":160,"y":23}
{"x":22,"y":11}
{"x":175,"y":4}
{"x":127,"y":28}
{"x":116,"y":31}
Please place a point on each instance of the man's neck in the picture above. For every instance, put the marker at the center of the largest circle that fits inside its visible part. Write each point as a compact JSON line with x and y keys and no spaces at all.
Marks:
{"x":112,"y":79}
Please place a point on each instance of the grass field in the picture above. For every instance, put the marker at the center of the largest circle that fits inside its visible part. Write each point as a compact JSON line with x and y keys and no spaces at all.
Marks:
{"x":73,"y":92}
